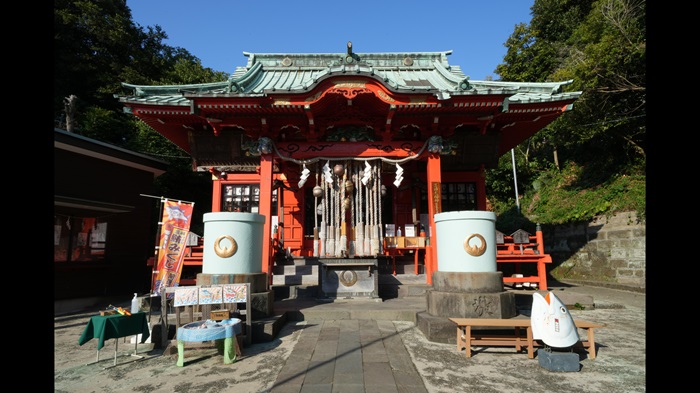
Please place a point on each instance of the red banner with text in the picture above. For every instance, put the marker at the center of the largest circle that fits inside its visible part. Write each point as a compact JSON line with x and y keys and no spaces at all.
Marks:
{"x":172,"y":243}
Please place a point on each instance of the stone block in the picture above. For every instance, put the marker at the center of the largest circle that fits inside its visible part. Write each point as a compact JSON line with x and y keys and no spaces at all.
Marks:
{"x":558,"y":361}
{"x":265,"y":330}
{"x":262,"y":304}
{"x":471,"y":305}
{"x":436,"y":329}
{"x":346,"y":280}
{"x":472,"y":282}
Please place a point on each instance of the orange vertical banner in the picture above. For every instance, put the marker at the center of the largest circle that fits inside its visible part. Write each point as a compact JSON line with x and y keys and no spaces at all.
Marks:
{"x":172,"y":243}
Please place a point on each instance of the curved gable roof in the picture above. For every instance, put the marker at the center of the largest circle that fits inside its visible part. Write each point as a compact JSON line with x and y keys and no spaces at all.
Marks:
{"x":268,"y":74}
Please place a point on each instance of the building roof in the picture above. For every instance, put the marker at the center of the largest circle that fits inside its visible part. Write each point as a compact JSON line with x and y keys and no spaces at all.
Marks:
{"x":319,"y":97}
{"x":407,"y":72}
{"x":114,"y":155}
{"x":83,"y":145}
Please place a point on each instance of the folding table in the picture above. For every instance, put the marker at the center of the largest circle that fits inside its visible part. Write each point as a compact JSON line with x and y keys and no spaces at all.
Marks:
{"x":115,"y":326}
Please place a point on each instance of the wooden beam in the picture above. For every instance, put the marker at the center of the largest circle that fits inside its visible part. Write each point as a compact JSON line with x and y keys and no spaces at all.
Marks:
{"x":307,"y":150}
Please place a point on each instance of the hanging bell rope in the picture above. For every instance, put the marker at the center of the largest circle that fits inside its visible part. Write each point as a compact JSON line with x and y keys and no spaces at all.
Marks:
{"x":329,"y":247}
{"x":380,"y":227}
{"x":359,"y":225}
{"x":368,"y":209}
{"x":351,"y":235}
{"x":343,"y":239}
{"x":375,"y":212}
{"x":316,"y":234}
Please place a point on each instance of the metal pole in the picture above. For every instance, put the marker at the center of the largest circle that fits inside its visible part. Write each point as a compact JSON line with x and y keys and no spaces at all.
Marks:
{"x":163,"y":199}
{"x":515,"y":179}
{"x":154,"y":268}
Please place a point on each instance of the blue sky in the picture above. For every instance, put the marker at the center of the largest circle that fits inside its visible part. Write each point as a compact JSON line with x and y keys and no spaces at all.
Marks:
{"x":219,"y":31}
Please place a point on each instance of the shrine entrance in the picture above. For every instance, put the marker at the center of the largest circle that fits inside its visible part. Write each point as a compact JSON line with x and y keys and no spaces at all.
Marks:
{"x":341,"y":150}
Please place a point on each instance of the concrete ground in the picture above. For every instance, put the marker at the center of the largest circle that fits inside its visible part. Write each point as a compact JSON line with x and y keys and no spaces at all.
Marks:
{"x":363,"y":346}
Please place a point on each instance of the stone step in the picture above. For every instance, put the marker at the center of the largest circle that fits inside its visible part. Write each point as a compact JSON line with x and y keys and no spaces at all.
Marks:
{"x":296,"y":261}
{"x":295,"y":270}
{"x":389,"y":286}
{"x":392,"y":291}
{"x":300,"y":291}
{"x":297,"y":278}
{"x":309,"y":275}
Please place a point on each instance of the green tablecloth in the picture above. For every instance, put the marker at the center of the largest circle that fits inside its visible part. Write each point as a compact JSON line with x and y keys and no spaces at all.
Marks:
{"x":115,"y":326}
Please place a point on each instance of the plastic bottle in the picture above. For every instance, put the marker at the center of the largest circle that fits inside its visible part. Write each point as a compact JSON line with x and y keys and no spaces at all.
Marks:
{"x":398,"y":232}
{"x":135,"y":304}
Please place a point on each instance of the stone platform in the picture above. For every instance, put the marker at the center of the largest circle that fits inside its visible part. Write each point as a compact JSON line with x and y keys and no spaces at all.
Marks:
{"x":349,"y":278}
{"x":463,"y":295}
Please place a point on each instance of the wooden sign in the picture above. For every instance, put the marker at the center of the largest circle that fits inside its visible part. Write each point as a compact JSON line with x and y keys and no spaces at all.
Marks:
{"x":437,"y":197}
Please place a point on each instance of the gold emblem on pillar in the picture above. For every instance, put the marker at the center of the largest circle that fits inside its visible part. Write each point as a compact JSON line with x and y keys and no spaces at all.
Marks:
{"x":475,"y":251}
{"x":225,"y":252}
{"x":347,"y":277}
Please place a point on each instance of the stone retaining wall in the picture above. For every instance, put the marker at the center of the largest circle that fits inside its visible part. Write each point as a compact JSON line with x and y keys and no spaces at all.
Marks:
{"x":606,"y":250}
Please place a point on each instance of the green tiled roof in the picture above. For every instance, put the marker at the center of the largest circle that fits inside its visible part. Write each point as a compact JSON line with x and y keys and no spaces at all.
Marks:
{"x":416,"y":72}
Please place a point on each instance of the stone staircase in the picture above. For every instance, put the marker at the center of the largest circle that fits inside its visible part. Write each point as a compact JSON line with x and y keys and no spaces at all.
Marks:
{"x":295,"y":271}
{"x":298,"y":277}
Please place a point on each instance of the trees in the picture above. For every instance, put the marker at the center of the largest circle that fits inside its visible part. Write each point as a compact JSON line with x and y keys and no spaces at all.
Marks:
{"x":97,"y":46}
{"x":601,"y":45}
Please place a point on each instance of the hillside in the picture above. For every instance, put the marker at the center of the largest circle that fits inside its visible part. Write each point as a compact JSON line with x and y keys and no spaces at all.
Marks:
{"x":572,"y":195}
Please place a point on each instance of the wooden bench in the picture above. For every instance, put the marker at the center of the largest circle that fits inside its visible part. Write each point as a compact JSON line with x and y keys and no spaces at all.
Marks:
{"x":521,"y":247}
{"x":469,"y":334}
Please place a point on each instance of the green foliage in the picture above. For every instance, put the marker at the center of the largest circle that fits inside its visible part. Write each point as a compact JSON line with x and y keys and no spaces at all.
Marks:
{"x":106,"y":125}
{"x":527,"y":59}
{"x":92,"y":42}
{"x":190,"y":71}
{"x":152,"y":143}
{"x":574,"y":194}
{"x":556,"y":20}
{"x":600,"y":145}
{"x":571,"y":195}
{"x":96,"y":48}
{"x":590,"y":161}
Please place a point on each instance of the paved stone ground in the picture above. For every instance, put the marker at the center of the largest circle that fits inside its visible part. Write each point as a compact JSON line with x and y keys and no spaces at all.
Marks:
{"x":619,"y":367}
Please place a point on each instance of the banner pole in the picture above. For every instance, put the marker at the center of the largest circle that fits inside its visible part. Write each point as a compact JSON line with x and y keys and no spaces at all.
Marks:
{"x":161,"y":269}
{"x":151,"y":295}
{"x":162,"y":198}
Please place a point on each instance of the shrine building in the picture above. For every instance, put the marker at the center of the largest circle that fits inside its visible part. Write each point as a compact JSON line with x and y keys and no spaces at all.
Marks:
{"x":335,"y":148}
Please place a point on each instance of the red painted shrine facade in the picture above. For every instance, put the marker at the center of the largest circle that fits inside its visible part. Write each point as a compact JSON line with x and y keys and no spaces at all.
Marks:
{"x":333,"y":147}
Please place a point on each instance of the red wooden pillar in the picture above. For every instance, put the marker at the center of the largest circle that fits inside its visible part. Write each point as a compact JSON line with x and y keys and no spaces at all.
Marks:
{"x":266,"y":210}
{"x":434,"y":180}
{"x":216,"y":191}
